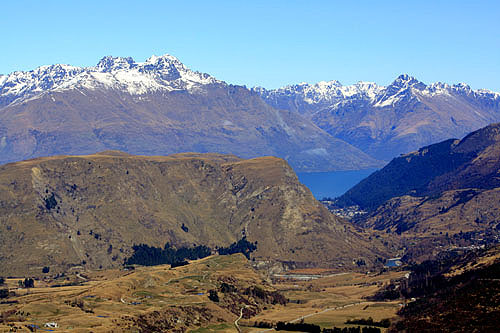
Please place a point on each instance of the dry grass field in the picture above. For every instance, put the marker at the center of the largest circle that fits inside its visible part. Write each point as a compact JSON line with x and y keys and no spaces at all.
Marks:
{"x":129,"y":301}
{"x":108,"y":299}
{"x":331,"y":300}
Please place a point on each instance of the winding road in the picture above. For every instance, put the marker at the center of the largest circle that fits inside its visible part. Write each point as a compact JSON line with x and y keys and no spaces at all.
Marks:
{"x":241,"y":315}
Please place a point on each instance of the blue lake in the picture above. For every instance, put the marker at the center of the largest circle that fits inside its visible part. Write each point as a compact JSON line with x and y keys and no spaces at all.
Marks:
{"x":332,"y":184}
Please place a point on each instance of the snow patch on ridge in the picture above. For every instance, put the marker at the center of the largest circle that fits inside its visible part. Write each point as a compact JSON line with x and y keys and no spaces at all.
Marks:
{"x":404,"y":88}
{"x":390,"y":101}
{"x":324,"y":92}
{"x":317,"y":152}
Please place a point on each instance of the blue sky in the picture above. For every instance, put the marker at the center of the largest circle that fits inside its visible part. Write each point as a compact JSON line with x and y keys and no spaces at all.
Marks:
{"x":266,"y":43}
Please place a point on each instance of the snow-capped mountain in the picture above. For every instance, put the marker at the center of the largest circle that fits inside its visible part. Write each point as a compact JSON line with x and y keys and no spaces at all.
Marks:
{"x":332,"y":93}
{"x":304,"y":98}
{"x":156,"y":107}
{"x":156,"y":73}
{"x":112,"y":104}
{"x":387,"y":121}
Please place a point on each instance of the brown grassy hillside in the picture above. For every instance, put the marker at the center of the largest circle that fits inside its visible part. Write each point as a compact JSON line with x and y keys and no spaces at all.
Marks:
{"x":69,"y":211}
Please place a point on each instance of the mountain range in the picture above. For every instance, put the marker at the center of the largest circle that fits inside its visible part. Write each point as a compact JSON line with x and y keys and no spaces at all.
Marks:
{"x":160,"y":106}
{"x":156,"y":107}
{"x":387,"y":121}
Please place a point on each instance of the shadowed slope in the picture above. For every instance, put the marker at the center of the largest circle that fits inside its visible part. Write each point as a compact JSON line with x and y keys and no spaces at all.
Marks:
{"x":443,"y":196}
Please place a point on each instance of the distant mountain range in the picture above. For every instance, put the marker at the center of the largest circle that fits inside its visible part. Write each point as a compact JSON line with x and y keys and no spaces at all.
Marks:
{"x":156,"y":107}
{"x":387,"y":121}
{"x":161,"y":107}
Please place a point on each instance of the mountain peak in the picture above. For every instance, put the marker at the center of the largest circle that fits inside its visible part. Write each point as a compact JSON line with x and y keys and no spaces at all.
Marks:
{"x":463,"y":87}
{"x":166,"y":58}
{"x":332,"y":83}
{"x":406,"y":81}
{"x":405,"y":77}
{"x":399,"y":91}
{"x":109,"y":63}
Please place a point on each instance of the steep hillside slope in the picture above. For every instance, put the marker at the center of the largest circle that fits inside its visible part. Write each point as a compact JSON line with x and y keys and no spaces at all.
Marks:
{"x":442,"y":196}
{"x":157,"y":107}
{"x":472,"y":162}
{"x":89,"y":210}
{"x":387,"y":121}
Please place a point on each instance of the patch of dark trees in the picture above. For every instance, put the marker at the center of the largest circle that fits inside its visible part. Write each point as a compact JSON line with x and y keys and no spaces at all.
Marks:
{"x":213,"y":296}
{"x":385,"y":323}
{"x":50,"y":202}
{"x":4,"y":293}
{"x":69,"y":284}
{"x":300,"y":327}
{"x":179,"y":263}
{"x":263,"y":324}
{"x":95,"y":234}
{"x":270,"y":297}
{"x":79,"y":303}
{"x":150,"y":255}
{"x":241,"y":246}
{"x":312,"y":328}
{"x":227,"y":288}
{"x":360,"y":262}
{"x":27,"y":283}
{"x":366,"y":329}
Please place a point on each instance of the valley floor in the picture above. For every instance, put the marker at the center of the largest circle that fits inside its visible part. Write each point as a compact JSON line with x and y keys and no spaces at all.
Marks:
{"x":149,"y":299}
{"x":330,"y":301}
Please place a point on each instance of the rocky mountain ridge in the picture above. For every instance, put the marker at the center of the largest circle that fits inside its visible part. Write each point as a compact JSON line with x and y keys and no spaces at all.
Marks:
{"x":312,"y":121}
{"x":155,"y":74}
{"x":330,"y":93}
{"x":157,"y":107}
{"x":387,"y":121}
